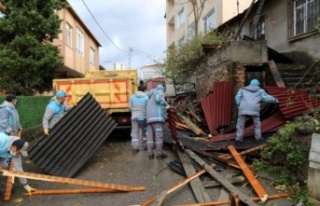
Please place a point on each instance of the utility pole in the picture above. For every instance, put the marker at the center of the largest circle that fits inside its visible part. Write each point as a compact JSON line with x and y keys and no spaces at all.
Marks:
{"x":130,"y":54}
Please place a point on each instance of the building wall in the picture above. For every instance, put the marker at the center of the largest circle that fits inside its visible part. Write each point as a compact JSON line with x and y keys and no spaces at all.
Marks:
{"x":71,"y":58}
{"x":229,"y":64}
{"x":152,"y":71}
{"x":224,"y":10}
{"x":302,"y":50}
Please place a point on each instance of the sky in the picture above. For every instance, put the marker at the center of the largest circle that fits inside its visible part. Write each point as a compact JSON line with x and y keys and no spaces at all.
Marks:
{"x":124,"y":25}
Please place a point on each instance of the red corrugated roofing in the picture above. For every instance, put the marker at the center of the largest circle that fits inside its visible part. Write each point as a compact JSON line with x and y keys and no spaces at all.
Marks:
{"x":217,"y":106}
{"x":269,"y":124}
{"x":293,"y":102}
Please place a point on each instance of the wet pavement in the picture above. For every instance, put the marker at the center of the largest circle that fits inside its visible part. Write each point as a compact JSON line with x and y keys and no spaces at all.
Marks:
{"x":114,"y":163}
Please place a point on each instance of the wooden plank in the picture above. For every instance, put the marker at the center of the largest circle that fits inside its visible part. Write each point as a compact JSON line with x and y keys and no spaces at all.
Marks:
{"x":197,"y":130}
{"x":10,"y":180}
{"x":9,"y":183}
{"x":219,"y":178}
{"x":249,"y":174}
{"x":160,"y":199}
{"x":256,"y":199}
{"x":196,"y":185}
{"x":228,"y":162}
{"x":276,"y":74}
{"x":178,"y":185}
{"x":71,"y":181}
{"x":182,"y":125}
{"x":232,"y":180}
{"x":229,"y":156}
{"x":77,"y":191}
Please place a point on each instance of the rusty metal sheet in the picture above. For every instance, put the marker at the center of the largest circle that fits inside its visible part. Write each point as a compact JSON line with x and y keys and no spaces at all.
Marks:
{"x":217,"y":106}
{"x":268,"y":124}
{"x":293,"y":102}
{"x":73,"y":140}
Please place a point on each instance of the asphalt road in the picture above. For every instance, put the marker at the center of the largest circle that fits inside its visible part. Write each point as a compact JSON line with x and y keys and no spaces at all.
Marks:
{"x":115,"y":163}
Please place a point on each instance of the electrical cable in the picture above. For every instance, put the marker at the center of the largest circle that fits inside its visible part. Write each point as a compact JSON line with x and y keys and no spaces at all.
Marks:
{"x":101,"y":27}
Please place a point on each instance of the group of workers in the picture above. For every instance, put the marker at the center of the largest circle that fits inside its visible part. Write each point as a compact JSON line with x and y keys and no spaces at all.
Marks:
{"x":148,"y":115}
{"x":12,"y":147}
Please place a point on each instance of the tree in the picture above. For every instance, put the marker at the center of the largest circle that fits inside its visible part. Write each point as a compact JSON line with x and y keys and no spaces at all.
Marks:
{"x":182,"y":62}
{"x":27,"y":57}
{"x":198,"y":6}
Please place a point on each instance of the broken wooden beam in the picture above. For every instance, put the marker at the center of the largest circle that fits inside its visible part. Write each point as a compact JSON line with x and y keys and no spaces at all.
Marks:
{"x":197,"y":187}
{"x":262,"y":194}
{"x":79,"y":191}
{"x":182,"y":125}
{"x":276,"y":74}
{"x":233,"y":180}
{"x":71,"y":181}
{"x":197,"y":130}
{"x":9,"y":183}
{"x":229,"y":156}
{"x":177,"y":185}
{"x":219,"y":178}
{"x":222,"y":202}
{"x":207,"y":154}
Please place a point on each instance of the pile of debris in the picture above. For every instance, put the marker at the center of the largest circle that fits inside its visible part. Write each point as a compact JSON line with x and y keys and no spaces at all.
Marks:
{"x":213,"y":119}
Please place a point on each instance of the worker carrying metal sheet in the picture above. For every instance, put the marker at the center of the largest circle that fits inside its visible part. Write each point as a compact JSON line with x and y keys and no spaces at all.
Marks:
{"x":12,"y":148}
{"x":55,"y":111}
{"x":248,"y":99}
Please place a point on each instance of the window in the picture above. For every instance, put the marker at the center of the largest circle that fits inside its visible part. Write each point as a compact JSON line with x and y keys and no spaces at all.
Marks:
{"x":258,"y":33}
{"x":209,"y":22}
{"x":80,"y":43}
{"x":68,"y":35}
{"x":181,"y":17}
{"x":191,"y":31}
{"x":92,"y":52}
{"x":181,"y":41}
{"x":305,"y":14}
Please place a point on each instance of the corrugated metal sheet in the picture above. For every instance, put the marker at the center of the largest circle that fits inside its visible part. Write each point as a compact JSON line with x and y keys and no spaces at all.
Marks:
{"x":293,"y":102}
{"x":73,"y":140}
{"x":217,"y":106}
{"x":269,"y":124}
{"x":173,"y":119}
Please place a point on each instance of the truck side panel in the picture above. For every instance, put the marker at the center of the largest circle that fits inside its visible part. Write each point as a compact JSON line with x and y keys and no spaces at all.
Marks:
{"x":112,"y":95}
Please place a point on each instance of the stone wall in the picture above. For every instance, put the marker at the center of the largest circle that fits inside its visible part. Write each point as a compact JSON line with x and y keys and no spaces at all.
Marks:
{"x":215,"y":67}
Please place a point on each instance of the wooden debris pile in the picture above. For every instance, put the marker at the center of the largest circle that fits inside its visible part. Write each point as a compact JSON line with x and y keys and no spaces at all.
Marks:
{"x":231,"y":193}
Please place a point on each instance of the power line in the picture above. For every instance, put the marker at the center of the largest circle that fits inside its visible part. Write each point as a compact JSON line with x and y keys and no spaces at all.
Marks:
{"x":102,"y":28}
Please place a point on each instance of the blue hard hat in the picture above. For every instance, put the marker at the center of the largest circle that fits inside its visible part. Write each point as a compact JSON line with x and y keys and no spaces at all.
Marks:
{"x":159,"y":86}
{"x":255,"y":82}
{"x":61,"y":93}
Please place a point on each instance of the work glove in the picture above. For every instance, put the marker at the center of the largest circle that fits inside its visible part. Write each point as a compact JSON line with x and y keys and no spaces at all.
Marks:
{"x":46,"y":132}
{"x":29,"y":189}
{"x":19,"y":132}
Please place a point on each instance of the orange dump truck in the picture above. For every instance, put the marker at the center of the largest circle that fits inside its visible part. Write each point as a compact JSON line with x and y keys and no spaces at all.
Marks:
{"x":111,"y":88}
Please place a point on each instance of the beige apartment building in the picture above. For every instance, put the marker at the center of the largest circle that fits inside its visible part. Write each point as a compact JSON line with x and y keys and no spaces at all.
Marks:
{"x":78,"y":47}
{"x":181,"y":20}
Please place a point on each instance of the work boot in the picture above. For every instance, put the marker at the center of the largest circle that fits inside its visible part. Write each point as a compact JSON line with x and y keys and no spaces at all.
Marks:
{"x":145,"y":147}
{"x":151,"y":156}
{"x":135,"y":151}
{"x":259,"y":140}
{"x":162,"y":156}
{"x":238,"y":142}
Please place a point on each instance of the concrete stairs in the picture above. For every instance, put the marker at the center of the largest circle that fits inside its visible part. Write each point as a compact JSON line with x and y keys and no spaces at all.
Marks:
{"x":298,"y":76}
